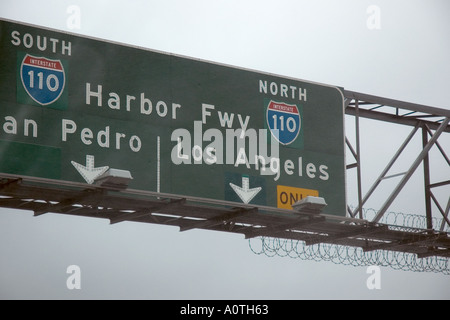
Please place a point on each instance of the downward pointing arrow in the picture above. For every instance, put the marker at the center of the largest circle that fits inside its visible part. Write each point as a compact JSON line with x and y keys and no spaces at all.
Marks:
{"x":88,"y":172}
{"x":245,"y":193}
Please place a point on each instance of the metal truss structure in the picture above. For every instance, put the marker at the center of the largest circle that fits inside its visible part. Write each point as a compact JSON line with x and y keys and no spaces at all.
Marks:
{"x":419,"y":117}
{"x":311,"y":227}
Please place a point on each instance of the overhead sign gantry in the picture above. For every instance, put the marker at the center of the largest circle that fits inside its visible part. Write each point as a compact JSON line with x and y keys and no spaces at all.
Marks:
{"x":97,"y":129}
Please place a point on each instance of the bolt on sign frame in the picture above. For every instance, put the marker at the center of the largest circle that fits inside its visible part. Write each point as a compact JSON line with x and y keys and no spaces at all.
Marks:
{"x":40,"y":82}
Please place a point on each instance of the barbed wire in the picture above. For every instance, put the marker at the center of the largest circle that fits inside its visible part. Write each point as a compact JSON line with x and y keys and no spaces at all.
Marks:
{"x":355,"y":256}
{"x":401,"y":219}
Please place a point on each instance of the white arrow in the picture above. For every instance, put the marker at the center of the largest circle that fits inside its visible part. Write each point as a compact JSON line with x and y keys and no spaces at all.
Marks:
{"x":88,"y":172}
{"x":245,"y":193}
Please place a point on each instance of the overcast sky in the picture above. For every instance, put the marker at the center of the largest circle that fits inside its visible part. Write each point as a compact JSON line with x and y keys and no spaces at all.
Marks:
{"x":403,"y":55}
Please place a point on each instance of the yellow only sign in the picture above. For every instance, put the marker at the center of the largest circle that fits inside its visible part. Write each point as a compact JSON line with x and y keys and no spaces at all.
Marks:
{"x":287,"y":196}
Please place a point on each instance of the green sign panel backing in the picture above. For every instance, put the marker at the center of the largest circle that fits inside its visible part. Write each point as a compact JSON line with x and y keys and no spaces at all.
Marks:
{"x":72,"y":107}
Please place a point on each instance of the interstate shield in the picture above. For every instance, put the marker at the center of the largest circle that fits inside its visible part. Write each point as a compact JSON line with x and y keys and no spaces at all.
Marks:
{"x":284,"y":121}
{"x":42,"y":78}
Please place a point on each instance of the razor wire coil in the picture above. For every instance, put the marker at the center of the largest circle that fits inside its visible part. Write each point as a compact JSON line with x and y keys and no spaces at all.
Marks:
{"x":356,"y":256}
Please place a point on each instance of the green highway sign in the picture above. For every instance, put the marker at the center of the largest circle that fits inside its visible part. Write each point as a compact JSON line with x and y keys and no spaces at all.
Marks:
{"x":72,"y":108}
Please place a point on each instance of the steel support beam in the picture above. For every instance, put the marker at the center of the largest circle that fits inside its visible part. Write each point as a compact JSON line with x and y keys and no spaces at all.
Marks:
{"x":359,"y":232}
{"x":392,"y":118}
{"x":397,"y":103}
{"x":271,"y":230}
{"x":426,"y":177}
{"x":146,"y":212}
{"x":392,"y":245}
{"x":412,"y":169}
{"x":438,"y":145}
{"x":186,"y":214}
{"x":387,"y":168}
{"x":238,"y":212}
{"x":434,"y":252}
{"x":85,"y":196}
{"x":358,"y":163}
{"x":446,"y":216}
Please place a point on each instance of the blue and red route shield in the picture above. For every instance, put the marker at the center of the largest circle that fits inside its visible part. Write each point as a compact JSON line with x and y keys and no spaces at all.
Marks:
{"x":284,"y":121}
{"x":42,"y":78}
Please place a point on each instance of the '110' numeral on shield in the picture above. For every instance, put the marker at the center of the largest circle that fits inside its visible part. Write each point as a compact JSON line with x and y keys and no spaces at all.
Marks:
{"x":49,"y":85}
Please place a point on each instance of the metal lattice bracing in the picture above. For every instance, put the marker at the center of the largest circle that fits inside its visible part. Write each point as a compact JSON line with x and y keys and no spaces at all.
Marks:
{"x":420,"y":117}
